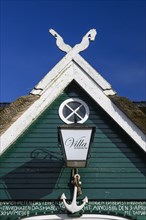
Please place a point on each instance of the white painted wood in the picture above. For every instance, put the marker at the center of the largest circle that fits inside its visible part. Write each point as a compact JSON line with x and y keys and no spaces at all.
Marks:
{"x":83,"y":217}
{"x":60,"y":42}
{"x":90,"y":36}
{"x":117,"y":115}
{"x":57,"y":70}
{"x":42,"y":86}
{"x":86,"y":67}
{"x":72,"y":56}
{"x":82,"y":119}
{"x":55,"y":84}
{"x":27,"y":118}
{"x":109,"y":92}
{"x":73,"y":207}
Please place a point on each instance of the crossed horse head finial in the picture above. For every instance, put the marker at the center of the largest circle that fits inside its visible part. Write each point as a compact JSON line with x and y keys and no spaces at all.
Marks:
{"x":90,"y":36}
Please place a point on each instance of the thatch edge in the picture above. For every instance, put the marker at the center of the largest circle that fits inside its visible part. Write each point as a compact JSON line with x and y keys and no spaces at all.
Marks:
{"x":12,"y":112}
{"x":131,"y":110}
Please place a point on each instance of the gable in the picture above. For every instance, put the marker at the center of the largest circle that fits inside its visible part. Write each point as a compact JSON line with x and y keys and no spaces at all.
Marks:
{"x":55,"y":85}
{"x":33,"y":167}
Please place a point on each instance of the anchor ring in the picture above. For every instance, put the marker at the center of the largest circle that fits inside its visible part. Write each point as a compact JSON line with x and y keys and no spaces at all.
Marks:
{"x":77,"y":176}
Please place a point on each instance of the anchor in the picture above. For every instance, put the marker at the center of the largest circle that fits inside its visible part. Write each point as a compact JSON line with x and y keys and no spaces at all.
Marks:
{"x":73,"y":207}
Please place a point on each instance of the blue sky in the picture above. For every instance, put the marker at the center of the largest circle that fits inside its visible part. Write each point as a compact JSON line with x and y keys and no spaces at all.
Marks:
{"x":28,"y":51}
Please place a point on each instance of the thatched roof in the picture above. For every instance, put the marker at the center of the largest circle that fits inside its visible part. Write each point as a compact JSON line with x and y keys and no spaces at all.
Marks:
{"x":13,"y":111}
{"x":141,"y":105}
{"x":135,"y":113}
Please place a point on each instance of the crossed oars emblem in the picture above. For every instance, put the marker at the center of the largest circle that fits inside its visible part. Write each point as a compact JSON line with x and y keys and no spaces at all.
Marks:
{"x":73,"y":207}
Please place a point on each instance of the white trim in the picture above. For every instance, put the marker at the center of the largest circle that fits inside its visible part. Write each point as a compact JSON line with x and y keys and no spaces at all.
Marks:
{"x":62,"y":65}
{"x":55,"y":86}
{"x":83,"y":217}
{"x":82,"y":63}
{"x":117,"y":115}
{"x":73,"y":100}
{"x":27,"y":118}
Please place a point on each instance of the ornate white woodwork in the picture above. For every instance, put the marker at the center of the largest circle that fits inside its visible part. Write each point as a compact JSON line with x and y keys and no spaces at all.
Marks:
{"x":72,"y":67}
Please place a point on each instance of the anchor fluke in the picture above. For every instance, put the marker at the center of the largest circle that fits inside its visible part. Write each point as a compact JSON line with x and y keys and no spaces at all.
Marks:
{"x":73,"y":207}
{"x":85,"y":200}
{"x":63,"y":196}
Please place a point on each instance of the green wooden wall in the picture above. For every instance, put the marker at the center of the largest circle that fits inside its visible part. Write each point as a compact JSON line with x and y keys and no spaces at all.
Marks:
{"x":33,"y":167}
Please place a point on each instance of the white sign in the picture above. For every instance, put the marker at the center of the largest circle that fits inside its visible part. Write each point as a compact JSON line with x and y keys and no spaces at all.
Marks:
{"x":76,"y":143}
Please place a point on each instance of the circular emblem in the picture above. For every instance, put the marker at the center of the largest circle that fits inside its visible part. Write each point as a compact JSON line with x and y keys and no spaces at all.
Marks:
{"x":73,"y":110}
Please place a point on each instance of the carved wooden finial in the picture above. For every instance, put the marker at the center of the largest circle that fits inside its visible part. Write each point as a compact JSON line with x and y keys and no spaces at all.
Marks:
{"x":90,"y":36}
{"x":60,"y":42}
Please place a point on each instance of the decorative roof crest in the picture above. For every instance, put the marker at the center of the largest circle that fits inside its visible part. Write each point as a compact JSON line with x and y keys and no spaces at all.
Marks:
{"x":90,"y":36}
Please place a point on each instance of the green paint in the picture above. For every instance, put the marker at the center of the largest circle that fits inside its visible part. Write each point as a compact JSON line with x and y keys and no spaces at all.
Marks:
{"x":15,"y":210}
{"x":33,"y":167}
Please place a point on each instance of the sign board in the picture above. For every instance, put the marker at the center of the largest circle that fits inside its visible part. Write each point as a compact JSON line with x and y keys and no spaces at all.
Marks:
{"x":15,"y":210}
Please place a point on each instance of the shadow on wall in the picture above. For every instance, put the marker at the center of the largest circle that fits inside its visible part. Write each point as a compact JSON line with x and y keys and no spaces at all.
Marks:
{"x":36,"y":178}
{"x":122,"y":142}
